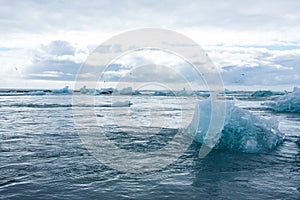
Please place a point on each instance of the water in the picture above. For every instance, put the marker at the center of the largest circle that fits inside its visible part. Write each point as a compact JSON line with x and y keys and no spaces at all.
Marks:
{"x":42,"y":155}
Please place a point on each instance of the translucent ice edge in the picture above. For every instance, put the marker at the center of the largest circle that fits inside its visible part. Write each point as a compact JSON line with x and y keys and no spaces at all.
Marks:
{"x":242,"y":130}
{"x":287,"y":103}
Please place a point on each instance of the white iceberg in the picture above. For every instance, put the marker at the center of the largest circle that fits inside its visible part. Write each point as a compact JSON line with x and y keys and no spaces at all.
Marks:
{"x":287,"y":103}
{"x":242,"y":130}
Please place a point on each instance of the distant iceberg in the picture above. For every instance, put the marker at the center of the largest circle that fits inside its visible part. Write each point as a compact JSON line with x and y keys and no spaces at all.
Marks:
{"x":121,"y":104}
{"x":126,"y":91}
{"x":226,"y":91}
{"x":205,"y":94}
{"x":104,"y":91}
{"x":164,"y":93}
{"x":64,"y":90}
{"x":266,"y":93}
{"x":243,"y":131}
{"x":38,"y":92}
{"x":85,"y":90}
{"x":184,"y":92}
{"x":287,"y":103}
{"x":136,"y":92}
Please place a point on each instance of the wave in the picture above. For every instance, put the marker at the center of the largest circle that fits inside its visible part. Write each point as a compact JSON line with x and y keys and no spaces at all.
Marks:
{"x":242,"y":130}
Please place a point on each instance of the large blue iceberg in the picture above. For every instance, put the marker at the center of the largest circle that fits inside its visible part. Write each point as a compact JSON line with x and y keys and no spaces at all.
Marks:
{"x":287,"y":103}
{"x":242,"y":130}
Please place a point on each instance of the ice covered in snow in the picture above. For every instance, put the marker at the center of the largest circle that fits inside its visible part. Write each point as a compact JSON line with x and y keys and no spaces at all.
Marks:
{"x":39,"y":92}
{"x":289,"y":102}
{"x":64,"y":90}
{"x":242,"y":130}
{"x":266,"y":93}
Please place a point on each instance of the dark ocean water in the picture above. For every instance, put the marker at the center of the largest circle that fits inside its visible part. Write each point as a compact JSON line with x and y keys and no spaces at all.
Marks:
{"x":43,"y":157}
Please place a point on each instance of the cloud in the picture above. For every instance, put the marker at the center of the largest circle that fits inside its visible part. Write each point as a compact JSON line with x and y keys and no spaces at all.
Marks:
{"x":116,"y":15}
{"x":58,"y":60}
{"x":258,"y":66}
{"x":256,"y":38}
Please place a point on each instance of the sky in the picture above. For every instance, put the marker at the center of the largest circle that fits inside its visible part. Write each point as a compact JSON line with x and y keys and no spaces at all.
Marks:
{"x":255,"y":44}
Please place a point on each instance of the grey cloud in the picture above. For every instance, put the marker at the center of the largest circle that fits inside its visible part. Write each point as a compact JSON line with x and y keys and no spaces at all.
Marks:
{"x":57,"y":61}
{"x":41,"y":16}
{"x":260,"y":75}
{"x":54,"y":61}
{"x":58,"y":47}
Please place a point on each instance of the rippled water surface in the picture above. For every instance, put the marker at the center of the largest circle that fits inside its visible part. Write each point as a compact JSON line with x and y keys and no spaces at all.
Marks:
{"x":42,"y":155}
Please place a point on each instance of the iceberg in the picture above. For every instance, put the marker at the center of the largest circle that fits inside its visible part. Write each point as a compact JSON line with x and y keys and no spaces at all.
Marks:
{"x":136,"y":92}
{"x":289,"y":102}
{"x":205,"y":95}
{"x":163,"y":93}
{"x":242,"y":130}
{"x":84,"y":90}
{"x":266,"y":93}
{"x":126,"y":91}
{"x":121,"y":104}
{"x":226,"y":91}
{"x":38,"y":92}
{"x":64,"y":90}
{"x":184,"y":92}
{"x":104,"y":91}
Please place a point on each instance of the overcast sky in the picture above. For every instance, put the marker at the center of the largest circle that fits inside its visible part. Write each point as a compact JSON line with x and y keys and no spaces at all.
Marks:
{"x":252,"y":42}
